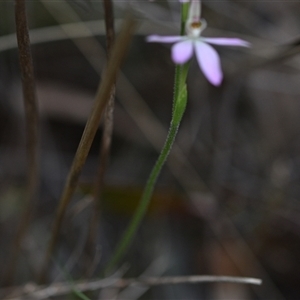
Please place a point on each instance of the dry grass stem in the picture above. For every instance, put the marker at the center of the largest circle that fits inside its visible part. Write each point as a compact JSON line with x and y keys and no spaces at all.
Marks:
{"x":62,"y":288}
{"x":90,"y":130}
{"x":31,"y":119}
{"x":105,"y":142}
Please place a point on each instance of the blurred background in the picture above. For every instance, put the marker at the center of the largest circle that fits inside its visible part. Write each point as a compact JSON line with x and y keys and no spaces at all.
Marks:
{"x":226,"y":203}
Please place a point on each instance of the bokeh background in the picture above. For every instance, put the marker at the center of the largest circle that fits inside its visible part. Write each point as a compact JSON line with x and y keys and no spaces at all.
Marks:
{"x":226,"y":203}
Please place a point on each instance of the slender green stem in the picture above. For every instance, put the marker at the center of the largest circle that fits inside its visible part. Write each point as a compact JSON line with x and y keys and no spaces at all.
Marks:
{"x":145,"y":200}
{"x":180,"y":99}
{"x":179,"y":105}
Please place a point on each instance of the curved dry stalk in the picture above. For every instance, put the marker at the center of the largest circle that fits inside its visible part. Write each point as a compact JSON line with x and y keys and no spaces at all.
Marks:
{"x":88,"y":135}
{"x":105,"y":142}
{"x":31,"y":117}
{"x":63,"y":288}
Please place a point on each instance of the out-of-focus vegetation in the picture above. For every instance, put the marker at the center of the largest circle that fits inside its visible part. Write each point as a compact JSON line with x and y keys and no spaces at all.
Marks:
{"x":226,"y":203}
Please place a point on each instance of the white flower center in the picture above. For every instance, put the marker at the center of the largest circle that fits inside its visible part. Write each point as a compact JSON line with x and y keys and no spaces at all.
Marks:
{"x":194,"y":29}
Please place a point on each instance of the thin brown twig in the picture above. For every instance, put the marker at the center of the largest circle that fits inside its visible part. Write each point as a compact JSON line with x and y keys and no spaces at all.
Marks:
{"x":105,"y":142}
{"x":31,"y":117}
{"x":63,"y":288}
{"x":102,"y":96}
{"x":109,"y":25}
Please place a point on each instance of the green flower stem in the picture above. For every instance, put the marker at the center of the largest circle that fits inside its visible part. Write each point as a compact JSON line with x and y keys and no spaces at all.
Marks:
{"x":179,"y":105}
{"x":180,"y":100}
{"x":184,"y":16}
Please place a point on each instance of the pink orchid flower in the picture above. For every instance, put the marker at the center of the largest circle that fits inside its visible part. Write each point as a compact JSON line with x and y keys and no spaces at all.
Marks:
{"x":184,"y":47}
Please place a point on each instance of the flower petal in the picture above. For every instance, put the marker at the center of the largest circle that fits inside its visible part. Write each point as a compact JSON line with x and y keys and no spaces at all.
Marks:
{"x":209,"y":62}
{"x":227,"y":42}
{"x":182,"y":51}
{"x":164,"y":39}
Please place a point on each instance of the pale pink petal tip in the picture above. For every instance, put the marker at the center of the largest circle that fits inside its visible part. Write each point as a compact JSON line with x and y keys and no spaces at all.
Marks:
{"x":182,"y":52}
{"x":227,"y":42}
{"x":209,"y":63}
{"x":163,"y":39}
{"x":215,"y":77}
{"x":184,"y":1}
{"x":216,"y":80}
